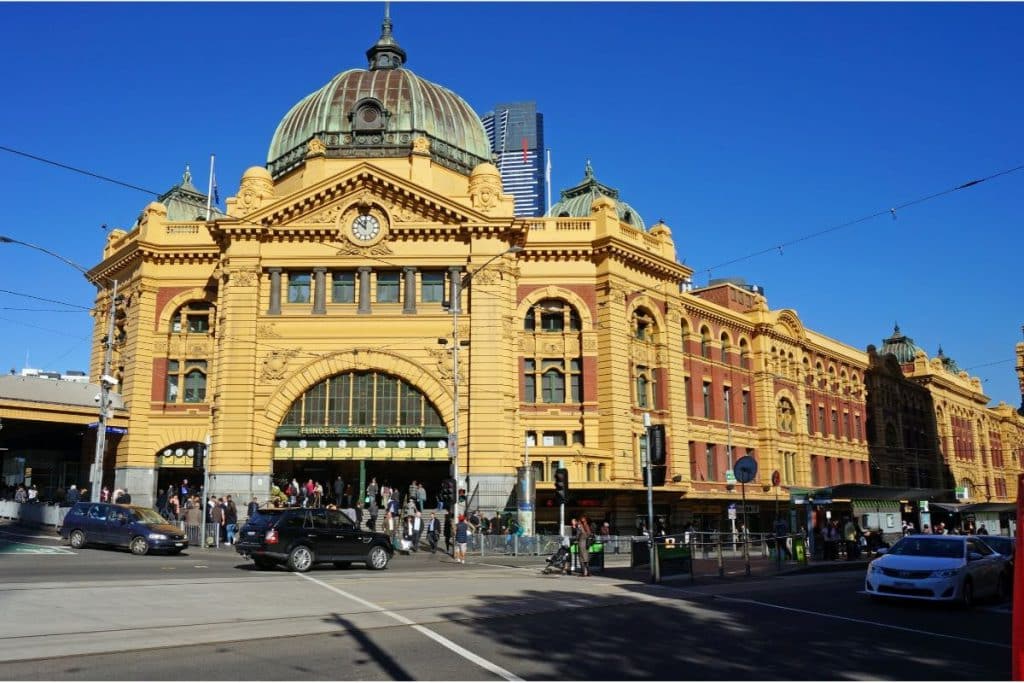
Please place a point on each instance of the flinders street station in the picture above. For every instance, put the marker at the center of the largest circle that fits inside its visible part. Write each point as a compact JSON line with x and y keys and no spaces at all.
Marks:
{"x":368,"y":305}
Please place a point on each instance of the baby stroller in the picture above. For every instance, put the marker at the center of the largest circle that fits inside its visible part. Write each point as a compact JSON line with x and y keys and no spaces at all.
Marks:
{"x":558,"y":561}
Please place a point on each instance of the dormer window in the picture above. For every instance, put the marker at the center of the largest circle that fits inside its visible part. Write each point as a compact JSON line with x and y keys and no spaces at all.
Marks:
{"x":368,"y":115}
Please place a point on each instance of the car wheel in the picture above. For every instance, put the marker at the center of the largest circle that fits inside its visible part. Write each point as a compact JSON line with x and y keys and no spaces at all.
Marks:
{"x":77,"y":539}
{"x":967,"y":594}
{"x":139,"y":546}
{"x":300,"y":559}
{"x":377,"y":558}
{"x":263,"y":564}
{"x":342,"y":565}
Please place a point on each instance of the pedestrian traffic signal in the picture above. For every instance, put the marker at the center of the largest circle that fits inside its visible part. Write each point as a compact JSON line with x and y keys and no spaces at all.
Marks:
{"x":448,"y":493}
{"x":657,"y":434}
{"x":561,"y":486}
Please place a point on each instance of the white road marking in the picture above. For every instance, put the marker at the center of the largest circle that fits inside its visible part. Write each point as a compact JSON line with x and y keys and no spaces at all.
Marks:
{"x":860,"y":621}
{"x":457,"y":649}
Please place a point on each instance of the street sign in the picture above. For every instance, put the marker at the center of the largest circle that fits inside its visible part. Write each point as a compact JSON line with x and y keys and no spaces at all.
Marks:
{"x":745,"y":469}
{"x":730,"y":478}
{"x":732,"y":512}
{"x":776,"y":478}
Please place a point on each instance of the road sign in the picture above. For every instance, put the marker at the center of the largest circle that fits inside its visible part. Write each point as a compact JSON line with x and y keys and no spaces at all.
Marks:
{"x":732,"y":512}
{"x":776,"y":478}
{"x":730,"y":478}
{"x":745,"y":469}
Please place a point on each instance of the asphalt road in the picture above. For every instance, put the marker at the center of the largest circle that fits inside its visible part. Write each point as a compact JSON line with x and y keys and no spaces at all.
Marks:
{"x":101,"y":614}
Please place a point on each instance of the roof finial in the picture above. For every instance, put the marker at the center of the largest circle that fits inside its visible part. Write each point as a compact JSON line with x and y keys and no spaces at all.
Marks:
{"x":588,"y":170}
{"x":386,"y":54}
{"x":896,"y":328}
{"x":186,"y":178}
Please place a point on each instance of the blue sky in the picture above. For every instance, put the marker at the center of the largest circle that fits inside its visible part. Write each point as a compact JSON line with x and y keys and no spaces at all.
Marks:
{"x":743,"y":126}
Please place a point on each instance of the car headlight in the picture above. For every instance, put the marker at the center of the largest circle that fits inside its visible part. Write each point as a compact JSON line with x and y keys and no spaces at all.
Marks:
{"x":158,"y":537}
{"x":874,"y":568}
{"x":945,"y":573}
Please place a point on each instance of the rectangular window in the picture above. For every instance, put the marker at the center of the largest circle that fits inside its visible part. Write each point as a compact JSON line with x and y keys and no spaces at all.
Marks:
{"x":846,"y":425}
{"x":835,"y":424}
{"x":687,"y":388}
{"x":198,"y":323}
{"x":815,"y":466}
{"x":411,"y":405}
{"x":388,"y":287}
{"x":553,"y":380}
{"x":821,"y":419}
{"x":707,"y":399}
{"x":554,"y":438}
{"x":362,"y":398}
{"x":316,"y":404}
{"x":641,"y":386}
{"x":432,"y":287}
{"x":746,"y":407}
{"x":529,"y":381}
{"x":577,"y":437}
{"x":387,"y":401}
{"x":576,"y":377}
{"x":343,"y":288}
{"x":601,"y":472}
{"x":810,"y":422}
{"x":531,"y":439}
{"x":709,"y":462}
{"x":195,"y":381}
{"x":298,"y":288}
{"x":727,"y":403}
{"x":337,"y":401}
{"x":555,"y":464}
{"x":538,"y":470}
{"x":171,"y":394}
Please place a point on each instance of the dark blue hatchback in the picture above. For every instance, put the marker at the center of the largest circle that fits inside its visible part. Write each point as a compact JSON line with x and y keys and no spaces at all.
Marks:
{"x":139,"y":529}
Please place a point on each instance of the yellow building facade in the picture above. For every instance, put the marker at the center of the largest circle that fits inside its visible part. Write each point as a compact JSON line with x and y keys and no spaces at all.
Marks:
{"x":312,"y":330}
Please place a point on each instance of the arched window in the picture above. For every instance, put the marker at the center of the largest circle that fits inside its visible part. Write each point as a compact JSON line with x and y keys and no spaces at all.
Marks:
{"x":644,"y":328}
{"x":186,"y":373}
{"x":744,"y":354}
{"x":684,"y":328}
{"x":724,"y":339}
{"x":553,"y":380}
{"x":555,"y":316}
{"x":705,"y":342}
{"x":642,"y":387}
{"x":550,"y":377}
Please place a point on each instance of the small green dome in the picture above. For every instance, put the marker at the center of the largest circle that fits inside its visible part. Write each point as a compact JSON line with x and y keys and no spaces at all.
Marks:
{"x":576,"y":201}
{"x":378,"y":112}
{"x":899,"y":345}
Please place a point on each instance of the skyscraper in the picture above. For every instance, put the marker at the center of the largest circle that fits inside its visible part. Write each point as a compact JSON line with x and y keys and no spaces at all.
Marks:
{"x":516,"y":132}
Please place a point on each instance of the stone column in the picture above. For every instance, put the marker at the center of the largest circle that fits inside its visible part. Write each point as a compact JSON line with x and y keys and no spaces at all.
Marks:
{"x":275,"y":291}
{"x":409,"y":300}
{"x":364,"y":290}
{"x":319,"y":291}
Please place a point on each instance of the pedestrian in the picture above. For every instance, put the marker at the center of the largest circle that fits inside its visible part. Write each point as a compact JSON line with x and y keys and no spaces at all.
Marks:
{"x":850,"y":536}
{"x":318,"y":495}
{"x":421,"y":496}
{"x":73,"y":495}
{"x":414,"y":492}
{"x":982,"y":530}
{"x":461,"y":539}
{"x":433,"y":532}
{"x":832,"y":540}
{"x":174,"y":507}
{"x":371,"y":494}
{"x":781,"y":538}
{"x":184,"y":492}
{"x":584,"y":539}
{"x":104,"y":495}
{"x":339,"y":492}
{"x":417,"y":530}
{"x":254,"y":507}
{"x":371,"y":512}
{"x":230,"y":519}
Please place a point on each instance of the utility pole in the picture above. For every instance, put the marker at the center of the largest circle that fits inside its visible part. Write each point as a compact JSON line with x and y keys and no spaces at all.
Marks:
{"x":106,"y":382}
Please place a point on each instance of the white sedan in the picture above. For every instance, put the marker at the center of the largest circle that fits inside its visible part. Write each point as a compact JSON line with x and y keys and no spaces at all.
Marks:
{"x":938,"y":567}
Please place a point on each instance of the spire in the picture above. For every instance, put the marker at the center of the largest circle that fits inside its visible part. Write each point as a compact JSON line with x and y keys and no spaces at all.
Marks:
{"x":896,"y":329}
{"x":386,"y":54}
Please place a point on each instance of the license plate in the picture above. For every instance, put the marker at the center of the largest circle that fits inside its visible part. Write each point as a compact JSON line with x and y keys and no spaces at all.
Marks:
{"x":250,"y":533}
{"x":903,"y":584}
{"x":178,"y":545}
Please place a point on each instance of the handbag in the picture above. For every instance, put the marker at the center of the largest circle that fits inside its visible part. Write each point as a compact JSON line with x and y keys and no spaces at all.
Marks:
{"x":366,"y":500}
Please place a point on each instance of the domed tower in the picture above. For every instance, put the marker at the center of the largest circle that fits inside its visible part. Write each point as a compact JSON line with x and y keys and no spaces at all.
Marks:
{"x":577,"y":200}
{"x":381,"y":111}
{"x":899,"y":345}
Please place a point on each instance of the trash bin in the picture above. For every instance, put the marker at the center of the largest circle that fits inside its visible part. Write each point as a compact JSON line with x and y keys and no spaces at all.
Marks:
{"x":597,"y":556}
{"x":800,"y":549}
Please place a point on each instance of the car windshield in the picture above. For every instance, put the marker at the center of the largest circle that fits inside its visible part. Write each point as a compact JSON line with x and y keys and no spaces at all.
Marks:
{"x":148,"y":516}
{"x":1001,"y":544}
{"x":929,"y":547}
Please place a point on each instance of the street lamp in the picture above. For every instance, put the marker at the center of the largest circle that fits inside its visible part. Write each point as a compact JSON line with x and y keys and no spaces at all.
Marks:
{"x":458,"y":284}
{"x":106,"y":380}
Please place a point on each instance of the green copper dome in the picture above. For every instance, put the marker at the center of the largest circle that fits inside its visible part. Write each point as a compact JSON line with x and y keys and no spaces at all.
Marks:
{"x":378,"y":112}
{"x":576,"y":201}
{"x":901,"y":346}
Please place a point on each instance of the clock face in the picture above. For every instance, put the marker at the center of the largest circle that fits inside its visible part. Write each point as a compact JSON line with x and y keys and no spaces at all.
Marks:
{"x":365,"y":227}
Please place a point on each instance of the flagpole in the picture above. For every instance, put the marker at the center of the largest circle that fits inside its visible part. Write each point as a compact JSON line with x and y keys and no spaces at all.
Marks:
{"x":547,"y":174}
{"x":209,"y":192}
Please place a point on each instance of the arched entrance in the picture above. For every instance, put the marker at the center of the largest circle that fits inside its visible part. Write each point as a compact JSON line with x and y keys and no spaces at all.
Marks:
{"x":358,"y":425}
{"x":176,"y":465}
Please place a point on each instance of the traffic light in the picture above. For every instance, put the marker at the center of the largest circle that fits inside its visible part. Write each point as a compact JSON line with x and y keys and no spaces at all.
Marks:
{"x":448,"y":493}
{"x":561,"y":486}
{"x":199,"y":457}
{"x":657,"y":435}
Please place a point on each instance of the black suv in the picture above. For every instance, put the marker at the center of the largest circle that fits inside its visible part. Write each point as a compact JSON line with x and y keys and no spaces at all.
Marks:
{"x":302,"y":537}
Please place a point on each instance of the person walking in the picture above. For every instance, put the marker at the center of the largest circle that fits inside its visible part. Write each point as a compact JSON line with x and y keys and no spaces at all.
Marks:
{"x":433,"y":532}
{"x":339,"y":493}
{"x":417,"y":530}
{"x":216,"y":519}
{"x":421,"y":496}
{"x":584,"y":537}
{"x":461,"y":539}
{"x":230,"y":519}
{"x":371,"y":513}
{"x":371,"y":493}
{"x":254,"y":507}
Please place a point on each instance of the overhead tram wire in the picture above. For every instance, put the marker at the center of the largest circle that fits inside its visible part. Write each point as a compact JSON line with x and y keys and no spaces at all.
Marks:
{"x":885,"y":212}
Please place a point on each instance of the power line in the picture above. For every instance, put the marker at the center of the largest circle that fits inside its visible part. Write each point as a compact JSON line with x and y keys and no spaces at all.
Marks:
{"x":890,"y":212}
{"x":49,"y":301}
{"x":78,"y":170}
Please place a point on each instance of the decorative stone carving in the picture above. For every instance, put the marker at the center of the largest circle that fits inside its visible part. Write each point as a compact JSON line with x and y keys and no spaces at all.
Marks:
{"x":589,"y":343}
{"x":484,"y":190}
{"x":785,"y":415}
{"x":244,"y":277}
{"x":487,"y":276}
{"x":256,"y":187}
{"x":421,"y":145}
{"x":326,"y":216}
{"x":401,"y":213}
{"x":267,"y":330}
{"x":276,"y":363}
{"x":442,"y":359}
{"x":379,"y":249}
{"x":315,"y":148}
